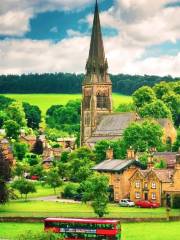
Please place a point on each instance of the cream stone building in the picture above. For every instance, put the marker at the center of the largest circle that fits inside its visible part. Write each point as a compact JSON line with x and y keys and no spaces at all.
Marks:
{"x":154,"y":184}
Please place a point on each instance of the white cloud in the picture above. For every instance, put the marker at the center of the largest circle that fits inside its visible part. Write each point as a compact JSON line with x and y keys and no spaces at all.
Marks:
{"x":26,"y":56}
{"x":14,"y":23}
{"x":148,"y":23}
{"x":54,"y":29}
{"x":16,"y":14}
{"x":70,"y":55}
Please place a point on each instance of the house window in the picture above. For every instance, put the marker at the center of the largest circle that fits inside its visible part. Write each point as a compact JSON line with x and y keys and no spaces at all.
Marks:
{"x":146,"y":185}
{"x":138,"y":195}
{"x":153,"y":196}
{"x":137,"y":184}
{"x":153,"y":185}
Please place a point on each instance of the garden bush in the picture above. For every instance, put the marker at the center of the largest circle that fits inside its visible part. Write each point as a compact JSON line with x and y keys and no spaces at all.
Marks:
{"x":176,"y":201}
{"x":70,"y":190}
{"x":39,"y":236}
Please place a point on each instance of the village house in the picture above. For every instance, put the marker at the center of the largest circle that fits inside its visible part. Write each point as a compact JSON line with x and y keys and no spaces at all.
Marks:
{"x":154,"y":184}
{"x":119,"y":173}
{"x":7,"y":151}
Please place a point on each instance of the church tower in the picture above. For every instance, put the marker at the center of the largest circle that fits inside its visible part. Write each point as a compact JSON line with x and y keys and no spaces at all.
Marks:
{"x":97,"y":86}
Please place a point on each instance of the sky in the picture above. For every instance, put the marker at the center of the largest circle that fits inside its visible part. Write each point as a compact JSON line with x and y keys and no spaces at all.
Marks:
{"x":40,"y":36}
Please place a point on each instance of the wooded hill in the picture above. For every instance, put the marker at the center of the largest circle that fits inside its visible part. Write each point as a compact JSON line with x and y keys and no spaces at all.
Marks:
{"x":71,"y":83}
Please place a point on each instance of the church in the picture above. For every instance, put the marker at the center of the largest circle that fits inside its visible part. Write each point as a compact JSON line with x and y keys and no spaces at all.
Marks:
{"x":98,"y":122}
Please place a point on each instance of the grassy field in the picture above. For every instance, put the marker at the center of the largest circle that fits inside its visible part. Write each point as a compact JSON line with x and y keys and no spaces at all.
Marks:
{"x":44,"y":101}
{"x":58,"y":209}
{"x":130,"y":231}
{"x":42,"y":191}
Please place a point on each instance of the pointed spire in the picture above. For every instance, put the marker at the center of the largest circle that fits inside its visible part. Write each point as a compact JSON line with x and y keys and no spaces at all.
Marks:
{"x":96,"y":52}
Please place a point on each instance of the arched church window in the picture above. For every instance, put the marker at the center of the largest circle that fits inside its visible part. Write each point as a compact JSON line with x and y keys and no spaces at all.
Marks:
{"x":102,"y":100}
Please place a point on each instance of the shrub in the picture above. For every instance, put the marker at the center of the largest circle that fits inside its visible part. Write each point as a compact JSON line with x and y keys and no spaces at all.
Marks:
{"x":70,"y":190}
{"x":39,"y":236}
{"x":176,"y":201}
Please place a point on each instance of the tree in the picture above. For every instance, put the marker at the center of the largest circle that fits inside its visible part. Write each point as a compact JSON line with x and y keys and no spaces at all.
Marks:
{"x":80,"y":163}
{"x":53,"y":108}
{"x":176,"y":145}
{"x":5,"y":102}
{"x":33,"y":115}
{"x":128,"y":107}
{"x":144,"y":135}
{"x":96,"y":190}
{"x":161,"y":89}
{"x":12,"y":129}
{"x":20,"y":150}
{"x":37,"y":170}
{"x":20,"y":169}
{"x":119,"y":149}
{"x":38,"y":147}
{"x":16,"y":113}
{"x":65,"y":118}
{"x":53,"y":179}
{"x":161,"y":164}
{"x":32,"y":159}
{"x":156,"y":110}
{"x":70,"y":190}
{"x":53,"y":134}
{"x":24,"y":187}
{"x":3,"y":118}
{"x":173,"y":103}
{"x":4,"y":176}
{"x":143,"y":95}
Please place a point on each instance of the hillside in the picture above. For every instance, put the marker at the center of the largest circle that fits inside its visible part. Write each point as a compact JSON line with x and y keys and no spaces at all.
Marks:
{"x":44,"y":101}
{"x":71,"y":83}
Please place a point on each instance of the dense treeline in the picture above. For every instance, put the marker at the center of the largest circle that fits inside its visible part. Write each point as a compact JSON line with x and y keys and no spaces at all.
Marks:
{"x":71,"y":83}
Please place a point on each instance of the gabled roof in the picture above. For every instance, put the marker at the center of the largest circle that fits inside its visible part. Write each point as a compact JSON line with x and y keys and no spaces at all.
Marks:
{"x":164,"y":175}
{"x":115,"y":165}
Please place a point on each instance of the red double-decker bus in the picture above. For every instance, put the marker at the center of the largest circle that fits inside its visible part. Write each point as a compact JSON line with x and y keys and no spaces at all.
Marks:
{"x":80,"y":229}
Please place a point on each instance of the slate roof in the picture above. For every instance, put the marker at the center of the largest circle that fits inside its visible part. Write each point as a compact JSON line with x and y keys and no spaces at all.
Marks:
{"x":114,"y":165}
{"x":114,"y":124}
{"x":168,"y":157}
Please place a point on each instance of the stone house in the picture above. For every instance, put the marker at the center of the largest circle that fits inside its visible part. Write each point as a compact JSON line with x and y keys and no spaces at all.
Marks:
{"x":154,"y":184}
{"x":119,"y":173}
{"x":7,"y":151}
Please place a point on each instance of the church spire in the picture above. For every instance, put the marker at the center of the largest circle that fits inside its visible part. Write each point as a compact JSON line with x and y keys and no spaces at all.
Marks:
{"x":97,"y":64}
{"x":96,"y":51}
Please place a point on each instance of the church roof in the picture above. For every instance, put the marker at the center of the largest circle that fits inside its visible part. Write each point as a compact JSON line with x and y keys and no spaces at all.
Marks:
{"x":96,"y":52}
{"x":115,"y":165}
{"x":114,"y":124}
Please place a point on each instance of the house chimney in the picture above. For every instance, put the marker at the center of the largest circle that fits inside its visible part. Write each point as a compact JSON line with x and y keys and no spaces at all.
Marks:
{"x":178,"y":161}
{"x":131,"y":154}
{"x":150,"y":163}
{"x":109,"y":153}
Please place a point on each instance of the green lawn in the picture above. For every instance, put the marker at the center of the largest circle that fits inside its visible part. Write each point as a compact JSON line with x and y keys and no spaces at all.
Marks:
{"x":57,"y":209}
{"x":44,"y":101}
{"x":130,"y":231}
{"x":42,"y":191}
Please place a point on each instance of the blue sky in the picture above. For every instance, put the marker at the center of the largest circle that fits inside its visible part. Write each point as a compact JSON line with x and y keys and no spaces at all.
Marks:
{"x":140,"y":36}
